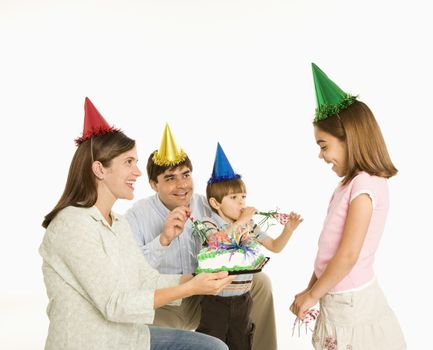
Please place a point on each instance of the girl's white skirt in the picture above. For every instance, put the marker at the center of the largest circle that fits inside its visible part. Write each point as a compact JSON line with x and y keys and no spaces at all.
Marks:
{"x":359,"y":320}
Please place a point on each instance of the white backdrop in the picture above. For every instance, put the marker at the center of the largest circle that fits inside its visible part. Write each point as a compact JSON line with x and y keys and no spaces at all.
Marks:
{"x":233,"y":71}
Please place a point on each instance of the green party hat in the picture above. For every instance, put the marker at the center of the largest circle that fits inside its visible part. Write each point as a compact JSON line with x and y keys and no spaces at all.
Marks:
{"x":168,"y":154}
{"x":329,"y":97}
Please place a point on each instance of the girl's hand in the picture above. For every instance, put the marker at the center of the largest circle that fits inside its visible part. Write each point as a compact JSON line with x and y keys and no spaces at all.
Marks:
{"x":303,"y":292}
{"x":293,"y":221}
{"x":209,"y":283}
{"x":302,"y":303}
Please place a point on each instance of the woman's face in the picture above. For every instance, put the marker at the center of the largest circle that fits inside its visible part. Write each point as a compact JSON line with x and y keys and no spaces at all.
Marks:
{"x":332,"y":151}
{"x":120,"y":176}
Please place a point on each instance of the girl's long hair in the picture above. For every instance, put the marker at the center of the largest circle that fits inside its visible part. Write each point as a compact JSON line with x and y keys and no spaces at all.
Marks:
{"x":80,"y":189}
{"x":366,"y":148}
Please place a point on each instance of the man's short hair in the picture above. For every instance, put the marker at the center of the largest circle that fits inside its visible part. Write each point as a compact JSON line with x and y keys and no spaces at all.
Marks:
{"x":154,"y":170}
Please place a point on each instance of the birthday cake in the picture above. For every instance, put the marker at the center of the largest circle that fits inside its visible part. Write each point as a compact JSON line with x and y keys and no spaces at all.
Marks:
{"x":229,"y":252}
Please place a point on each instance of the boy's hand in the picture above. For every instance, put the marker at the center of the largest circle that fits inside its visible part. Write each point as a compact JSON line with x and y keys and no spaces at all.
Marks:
{"x":293,"y":222}
{"x":246,"y":215}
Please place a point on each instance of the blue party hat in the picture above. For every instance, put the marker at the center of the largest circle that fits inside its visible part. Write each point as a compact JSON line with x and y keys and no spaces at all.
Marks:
{"x":222,"y":170}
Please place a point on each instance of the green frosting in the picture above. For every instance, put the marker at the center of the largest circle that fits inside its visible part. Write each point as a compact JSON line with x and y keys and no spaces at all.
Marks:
{"x":211,"y":254}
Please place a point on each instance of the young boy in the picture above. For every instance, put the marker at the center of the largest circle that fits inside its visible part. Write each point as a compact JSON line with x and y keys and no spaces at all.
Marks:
{"x":227,"y":315}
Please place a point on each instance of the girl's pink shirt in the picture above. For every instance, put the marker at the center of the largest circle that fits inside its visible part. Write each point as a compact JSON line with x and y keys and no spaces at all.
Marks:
{"x":377,"y":188}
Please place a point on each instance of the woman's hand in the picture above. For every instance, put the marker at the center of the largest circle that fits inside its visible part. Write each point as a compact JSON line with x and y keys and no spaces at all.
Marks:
{"x":209,"y":283}
{"x":302,"y":303}
{"x":202,"y":284}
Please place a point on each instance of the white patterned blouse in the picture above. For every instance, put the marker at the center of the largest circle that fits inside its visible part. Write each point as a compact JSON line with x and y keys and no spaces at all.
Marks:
{"x":100,"y":286}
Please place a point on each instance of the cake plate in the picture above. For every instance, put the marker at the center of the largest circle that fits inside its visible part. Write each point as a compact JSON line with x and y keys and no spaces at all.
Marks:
{"x":258,"y":268}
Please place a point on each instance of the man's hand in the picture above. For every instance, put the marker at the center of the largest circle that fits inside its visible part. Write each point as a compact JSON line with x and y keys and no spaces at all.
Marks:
{"x":174,"y":224}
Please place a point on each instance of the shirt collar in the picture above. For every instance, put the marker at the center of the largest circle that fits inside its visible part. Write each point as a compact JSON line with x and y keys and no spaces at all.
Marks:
{"x":219,"y":221}
{"x":163,"y":210}
{"x":96,"y":214}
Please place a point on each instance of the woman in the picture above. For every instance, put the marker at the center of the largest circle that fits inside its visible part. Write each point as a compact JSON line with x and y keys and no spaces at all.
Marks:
{"x":101,"y":290}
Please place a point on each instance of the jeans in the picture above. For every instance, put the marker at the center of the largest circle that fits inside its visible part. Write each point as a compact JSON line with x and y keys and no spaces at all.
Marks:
{"x":178,"y":339}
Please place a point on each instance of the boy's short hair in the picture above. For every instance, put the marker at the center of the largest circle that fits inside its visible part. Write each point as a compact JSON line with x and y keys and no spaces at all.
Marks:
{"x":219,"y":190}
{"x":154,"y":170}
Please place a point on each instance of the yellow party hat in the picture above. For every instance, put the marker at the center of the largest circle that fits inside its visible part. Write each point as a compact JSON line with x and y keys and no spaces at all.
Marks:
{"x":168,"y":153}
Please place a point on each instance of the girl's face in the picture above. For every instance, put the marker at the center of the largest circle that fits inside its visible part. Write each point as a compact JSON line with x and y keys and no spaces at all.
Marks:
{"x":120,"y":176}
{"x":231,"y":206}
{"x":332,"y":151}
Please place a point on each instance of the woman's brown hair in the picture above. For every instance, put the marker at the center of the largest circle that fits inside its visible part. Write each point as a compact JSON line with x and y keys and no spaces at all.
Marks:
{"x":366,"y":149}
{"x":80,"y":189}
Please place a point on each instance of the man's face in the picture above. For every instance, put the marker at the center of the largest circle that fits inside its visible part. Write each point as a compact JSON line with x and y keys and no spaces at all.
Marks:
{"x":174,"y":187}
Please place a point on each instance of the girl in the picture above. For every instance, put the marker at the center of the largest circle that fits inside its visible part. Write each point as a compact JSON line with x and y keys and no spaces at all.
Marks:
{"x":354,"y":312}
{"x":101,"y":290}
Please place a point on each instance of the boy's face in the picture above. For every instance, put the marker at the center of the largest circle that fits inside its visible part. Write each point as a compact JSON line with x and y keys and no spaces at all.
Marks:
{"x":174,"y":187}
{"x":231,"y":206}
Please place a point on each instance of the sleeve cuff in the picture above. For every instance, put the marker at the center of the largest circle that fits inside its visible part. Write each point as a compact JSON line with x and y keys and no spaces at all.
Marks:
{"x":155,"y":249}
{"x":369,"y":193}
{"x":156,"y":244}
{"x":167,"y":281}
{"x":136,"y":307}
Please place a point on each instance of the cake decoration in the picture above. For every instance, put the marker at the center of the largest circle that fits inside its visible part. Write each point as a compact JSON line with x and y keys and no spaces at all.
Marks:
{"x":226,"y":249}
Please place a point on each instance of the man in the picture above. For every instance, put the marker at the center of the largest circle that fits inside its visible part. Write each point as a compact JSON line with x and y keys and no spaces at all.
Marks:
{"x":164,"y":233}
